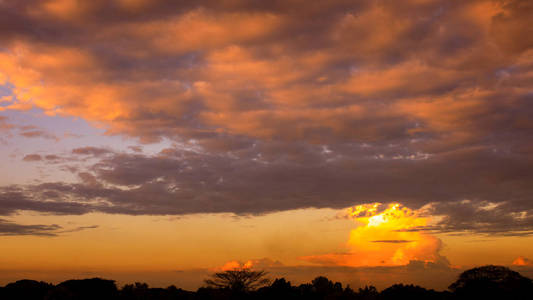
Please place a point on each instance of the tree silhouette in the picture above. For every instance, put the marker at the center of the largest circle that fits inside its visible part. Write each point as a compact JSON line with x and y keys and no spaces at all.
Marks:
{"x":368,"y":292}
{"x":84,"y":289}
{"x":26,"y":289}
{"x":323,"y":286}
{"x":492,"y":282}
{"x":241,"y":280}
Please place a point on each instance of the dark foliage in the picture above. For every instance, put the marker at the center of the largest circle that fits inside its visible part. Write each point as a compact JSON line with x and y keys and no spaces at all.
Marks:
{"x":238,"y":280}
{"x":411,"y":292}
{"x":489,"y":282}
{"x":85,"y":289}
{"x":141,"y":291}
{"x":492,"y":282}
{"x":26,"y":289}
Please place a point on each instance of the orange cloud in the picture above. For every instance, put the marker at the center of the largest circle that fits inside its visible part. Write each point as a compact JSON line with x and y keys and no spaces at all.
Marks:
{"x":199,"y":29}
{"x":249,"y":264}
{"x":264,"y":72}
{"x":384,"y":237}
{"x":232,"y":265}
{"x":522,"y":261}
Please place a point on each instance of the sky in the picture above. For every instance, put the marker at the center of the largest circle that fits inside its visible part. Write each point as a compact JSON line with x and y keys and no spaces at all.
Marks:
{"x":370,"y":141}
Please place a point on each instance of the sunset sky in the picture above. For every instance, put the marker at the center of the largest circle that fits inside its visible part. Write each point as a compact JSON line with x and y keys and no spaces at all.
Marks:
{"x":371,"y":141}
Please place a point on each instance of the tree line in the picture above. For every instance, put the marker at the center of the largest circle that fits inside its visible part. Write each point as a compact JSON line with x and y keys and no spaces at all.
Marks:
{"x":488,"y":282}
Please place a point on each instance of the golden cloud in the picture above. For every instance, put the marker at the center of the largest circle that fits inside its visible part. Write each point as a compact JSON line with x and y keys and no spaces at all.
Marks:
{"x":384,"y":237}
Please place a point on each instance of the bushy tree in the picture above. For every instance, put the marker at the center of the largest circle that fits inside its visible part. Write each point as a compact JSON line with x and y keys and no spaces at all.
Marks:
{"x":492,"y":282}
{"x":239,"y":280}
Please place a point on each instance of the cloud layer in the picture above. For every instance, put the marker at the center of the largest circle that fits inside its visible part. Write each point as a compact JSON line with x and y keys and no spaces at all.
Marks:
{"x":283,"y":104}
{"x":258,"y":180}
{"x":445,"y":73}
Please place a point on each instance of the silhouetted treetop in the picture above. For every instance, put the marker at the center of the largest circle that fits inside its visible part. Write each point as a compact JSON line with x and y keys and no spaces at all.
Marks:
{"x":324,"y":286}
{"x":238,"y":280}
{"x":26,"y":289}
{"x":496,"y":275}
{"x":492,"y":282}
{"x":85,"y":289}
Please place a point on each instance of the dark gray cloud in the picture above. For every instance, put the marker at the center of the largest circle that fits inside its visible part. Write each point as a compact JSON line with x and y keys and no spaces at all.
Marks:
{"x":9,"y":228}
{"x":268,"y":177}
{"x":47,"y":198}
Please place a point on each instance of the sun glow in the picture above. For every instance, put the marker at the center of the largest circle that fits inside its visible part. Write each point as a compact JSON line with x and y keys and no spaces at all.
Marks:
{"x":386,"y":236}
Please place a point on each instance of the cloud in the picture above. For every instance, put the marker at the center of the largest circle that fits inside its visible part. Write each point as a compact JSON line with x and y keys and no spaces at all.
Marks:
{"x":522,"y":261}
{"x":27,"y":131}
{"x":38,"y":134}
{"x":50,"y":158}
{"x":392,"y":247}
{"x":9,"y":228}
{"x":77,"y":229}
{"x":282,"y":105}
{"x":353,"y":76}
{"x":137,"y":149}
{"x":258,"y":264}
{"x":4,"y":125}
{"x":91,"y":151}
{"x":32,"y":157}
{"x":259,"y":177}
{"x":47,"y":198}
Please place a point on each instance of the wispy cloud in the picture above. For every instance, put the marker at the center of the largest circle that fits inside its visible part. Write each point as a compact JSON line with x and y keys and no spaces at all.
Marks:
{"x":8,"y":228}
